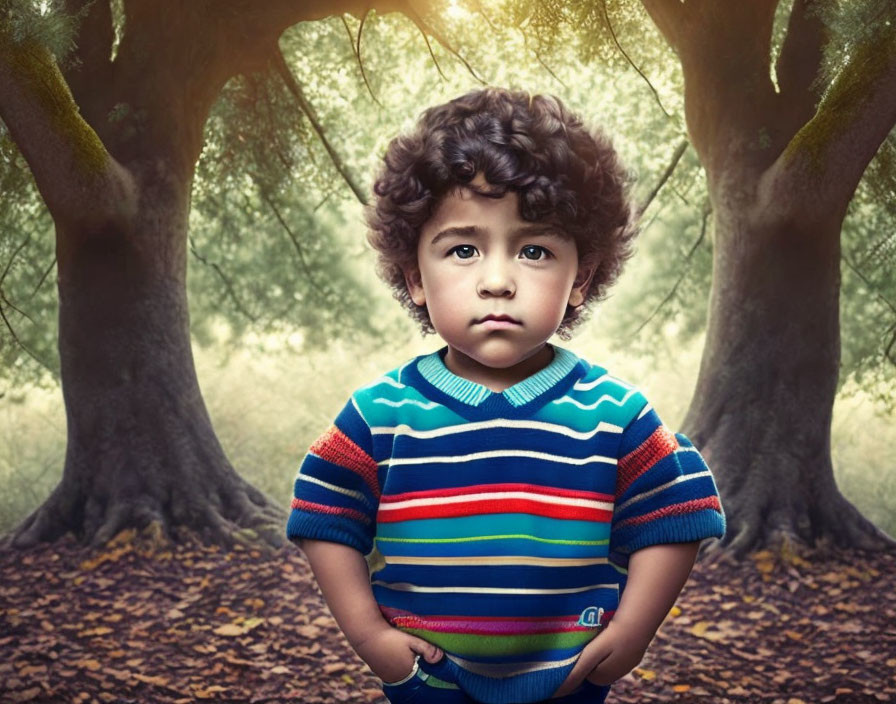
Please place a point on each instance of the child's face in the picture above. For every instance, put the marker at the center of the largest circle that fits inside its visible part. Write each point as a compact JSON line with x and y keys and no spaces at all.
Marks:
{"x":496,"y":286}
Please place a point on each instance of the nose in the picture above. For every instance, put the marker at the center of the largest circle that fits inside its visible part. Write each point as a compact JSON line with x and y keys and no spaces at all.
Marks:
{"x":496,"y":279}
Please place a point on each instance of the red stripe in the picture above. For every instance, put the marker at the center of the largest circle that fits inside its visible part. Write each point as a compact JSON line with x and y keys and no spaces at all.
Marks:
{"x":660,"y":444}
{"x":459,"y":624}
{"x":491,"y":506}
{"x":680,"y":509}
{"x":488,"y":488}
{"x":303,"y":505}
{"x":336,"y":447}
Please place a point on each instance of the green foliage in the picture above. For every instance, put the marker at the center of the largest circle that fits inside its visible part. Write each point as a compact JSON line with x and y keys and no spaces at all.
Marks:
{"x":853,"y":25}
{"x":277,"y":236}
{"x":868,"y":301}
{"x":28,"y":352}
{"x":44,"y":22}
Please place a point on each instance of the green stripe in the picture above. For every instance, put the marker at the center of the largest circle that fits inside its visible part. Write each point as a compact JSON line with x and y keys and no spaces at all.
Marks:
{"x":466,"y":644}
{"x":433,"y":681}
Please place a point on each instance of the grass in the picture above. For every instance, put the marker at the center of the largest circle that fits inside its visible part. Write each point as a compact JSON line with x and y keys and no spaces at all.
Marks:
{"x":268,"y":405}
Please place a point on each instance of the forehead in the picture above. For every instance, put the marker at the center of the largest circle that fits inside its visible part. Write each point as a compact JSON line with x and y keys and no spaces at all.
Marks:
{"x":466,"y":209}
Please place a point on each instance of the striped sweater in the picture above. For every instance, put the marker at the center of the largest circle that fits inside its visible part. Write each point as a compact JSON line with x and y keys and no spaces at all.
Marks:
{"x":500,"y":524}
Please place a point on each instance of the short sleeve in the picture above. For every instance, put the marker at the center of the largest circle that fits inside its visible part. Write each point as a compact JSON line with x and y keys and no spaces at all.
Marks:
{"x":336,"y":491}
{"x":665,"y":493}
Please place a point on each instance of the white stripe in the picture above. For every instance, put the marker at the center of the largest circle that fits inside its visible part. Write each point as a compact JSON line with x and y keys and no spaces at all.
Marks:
{"x":408,"y":587}
{"x":592,"y":406}
{"x":663,"y":487}
{"x":404,"y":429}
{"x":496,"y":454}
{"x":509,"y":669}
{"x":486,"y":496}
{"x":587,"y":386}
{"x":644,"y":411}
{"x":427,"y":405}
{"x":332,"y":487}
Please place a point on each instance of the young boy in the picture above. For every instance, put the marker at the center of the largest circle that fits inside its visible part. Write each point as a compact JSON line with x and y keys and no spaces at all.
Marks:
{"x":526,"y":518}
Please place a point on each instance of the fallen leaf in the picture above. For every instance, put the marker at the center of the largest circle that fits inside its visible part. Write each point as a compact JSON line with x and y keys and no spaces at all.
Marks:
{"x":229,"y":629}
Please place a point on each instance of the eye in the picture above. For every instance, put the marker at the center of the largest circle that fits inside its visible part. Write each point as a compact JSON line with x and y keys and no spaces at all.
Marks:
{"x":534,"y":252}
{"x":463,"y":251}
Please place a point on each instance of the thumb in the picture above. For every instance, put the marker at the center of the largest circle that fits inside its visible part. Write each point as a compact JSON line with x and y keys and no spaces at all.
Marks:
{"x":430,"y":652}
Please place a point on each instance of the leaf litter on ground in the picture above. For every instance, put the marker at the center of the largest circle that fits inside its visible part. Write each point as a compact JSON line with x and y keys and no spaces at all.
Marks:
{"x":144,"y":620}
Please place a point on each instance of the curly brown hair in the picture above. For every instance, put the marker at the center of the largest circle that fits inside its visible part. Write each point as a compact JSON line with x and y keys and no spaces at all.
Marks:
{"x":562,"y":172}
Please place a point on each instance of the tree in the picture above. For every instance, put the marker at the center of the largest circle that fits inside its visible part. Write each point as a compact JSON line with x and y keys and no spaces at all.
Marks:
{"x":783,"y":160}
{"x":112,"y":146}
{"x":119,"y":180}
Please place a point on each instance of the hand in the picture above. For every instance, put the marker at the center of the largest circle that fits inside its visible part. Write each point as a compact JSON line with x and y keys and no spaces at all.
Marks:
{"x":611,"y":655}
{"x":390,"y":653}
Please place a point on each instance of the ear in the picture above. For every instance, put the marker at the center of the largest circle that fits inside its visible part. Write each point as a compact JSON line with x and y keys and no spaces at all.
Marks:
{"x":580,"y":286}
{"x":414,"y":282}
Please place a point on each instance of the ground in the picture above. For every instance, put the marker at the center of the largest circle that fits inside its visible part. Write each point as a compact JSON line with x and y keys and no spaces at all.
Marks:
{"x":147,"y":621}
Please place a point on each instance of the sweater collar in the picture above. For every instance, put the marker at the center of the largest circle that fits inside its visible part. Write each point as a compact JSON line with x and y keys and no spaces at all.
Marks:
{"x":432,"y":368}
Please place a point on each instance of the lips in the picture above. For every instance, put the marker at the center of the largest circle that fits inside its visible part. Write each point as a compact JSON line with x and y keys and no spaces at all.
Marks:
{"x":498,"y":322}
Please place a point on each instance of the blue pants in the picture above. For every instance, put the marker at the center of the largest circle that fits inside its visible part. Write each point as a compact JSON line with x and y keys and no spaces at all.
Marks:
{"x":419,"y":689}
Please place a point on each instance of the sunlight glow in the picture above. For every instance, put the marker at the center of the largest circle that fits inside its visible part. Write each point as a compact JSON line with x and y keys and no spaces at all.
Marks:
{"x":455,"y":11}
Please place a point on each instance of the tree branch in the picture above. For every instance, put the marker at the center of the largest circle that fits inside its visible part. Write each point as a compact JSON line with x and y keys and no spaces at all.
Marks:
{"x":707,"y":211}
{"x":92,"y":59}
{"x":631,"y":63}
{"x":725,"y":53}
{"x":432,"y":54}
{"x":669,"y":17}
{"x":800,"y":61}
{"x":676,"y":157}
{"x":412,"y":14}
{"x":231,"y":292}
{"x":293,"y":85}
{"x":803,"y":49}
{"x":831,"y":152}
{"x":309,"y":273}
{"x":70,"y":164}
{"x":21,"y":344}
{"x":883,"y":299}
{"x":356,"y":49}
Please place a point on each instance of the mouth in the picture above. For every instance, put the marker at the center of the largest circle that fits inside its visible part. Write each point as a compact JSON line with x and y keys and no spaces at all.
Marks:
{"x":497,"y":322}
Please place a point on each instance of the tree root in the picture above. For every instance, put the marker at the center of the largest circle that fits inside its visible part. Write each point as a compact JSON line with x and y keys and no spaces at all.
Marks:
{"x":241,"y":514}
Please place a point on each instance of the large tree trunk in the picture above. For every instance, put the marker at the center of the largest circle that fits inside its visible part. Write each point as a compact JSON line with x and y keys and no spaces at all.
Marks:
{"x":781,"y":166}
{"x":141,"y":448}
{"x":761,"y":411}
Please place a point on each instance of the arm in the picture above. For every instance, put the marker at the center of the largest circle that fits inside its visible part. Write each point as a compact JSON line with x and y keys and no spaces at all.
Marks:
{"x":341,"y":573}
{"x":656,"y":575}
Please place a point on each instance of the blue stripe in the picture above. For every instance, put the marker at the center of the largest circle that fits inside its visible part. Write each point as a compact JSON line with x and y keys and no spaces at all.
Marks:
{"x":516,"y":605}
{"x":515,"y":576}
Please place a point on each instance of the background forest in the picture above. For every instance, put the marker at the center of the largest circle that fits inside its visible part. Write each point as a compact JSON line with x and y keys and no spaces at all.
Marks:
{"x":187,"y":299}
{"x":286,"y":315}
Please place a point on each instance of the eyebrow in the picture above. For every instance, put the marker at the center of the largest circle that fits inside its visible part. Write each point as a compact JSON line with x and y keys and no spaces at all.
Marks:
{"x":534,"y":230}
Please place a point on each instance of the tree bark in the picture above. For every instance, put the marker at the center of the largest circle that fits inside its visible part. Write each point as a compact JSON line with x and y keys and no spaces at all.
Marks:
{"x":141,"y":448}
{"x":762,"y":407}
{"x":113,"y":152}
{"x":781,"y":170}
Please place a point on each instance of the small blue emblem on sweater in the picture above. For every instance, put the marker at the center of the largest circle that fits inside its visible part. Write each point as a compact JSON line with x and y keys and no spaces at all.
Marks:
{"x":591,"y":617}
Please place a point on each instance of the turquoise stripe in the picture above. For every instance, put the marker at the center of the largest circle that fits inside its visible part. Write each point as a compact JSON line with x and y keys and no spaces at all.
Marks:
{"x":506,"y":524}
{"x":502,"y":546}
{"x":381,"y":414}
{"x":568,"y":413}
